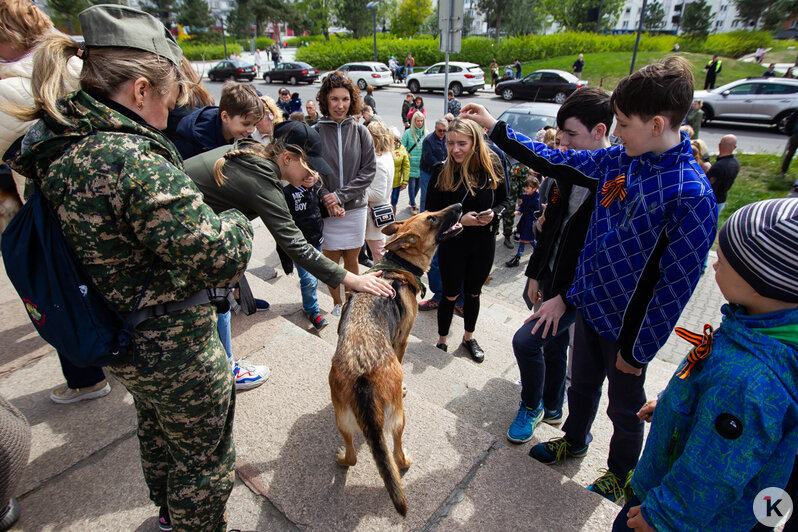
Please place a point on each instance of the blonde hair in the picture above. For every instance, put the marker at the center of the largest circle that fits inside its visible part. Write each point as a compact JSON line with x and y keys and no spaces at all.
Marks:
{"x":413,"y":121}
{"x":383,"y":138}
{"x":104,"y":70}
{"x":22,"y":24}
{"x":196,"y":93}
{"x":265,"y":151}
{"x":549,"y":137}
{"x":271,"y":107}
{"x":480,"y":161}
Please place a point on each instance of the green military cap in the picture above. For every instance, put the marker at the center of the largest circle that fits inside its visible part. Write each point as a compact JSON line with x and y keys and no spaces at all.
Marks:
{"x":109,"y":25}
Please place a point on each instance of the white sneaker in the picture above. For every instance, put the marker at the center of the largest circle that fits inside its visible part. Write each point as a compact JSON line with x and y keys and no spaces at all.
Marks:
{"x":65,"y":395}
{"x":249,"y":376}
{"x":336,"y":311}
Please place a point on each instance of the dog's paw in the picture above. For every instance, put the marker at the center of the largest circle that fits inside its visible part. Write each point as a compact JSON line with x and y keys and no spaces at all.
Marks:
{"x":404,"y":464}
{"x":342,"y":460}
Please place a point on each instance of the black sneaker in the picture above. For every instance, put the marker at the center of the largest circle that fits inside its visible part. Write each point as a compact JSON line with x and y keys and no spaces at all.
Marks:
{"x":476,"y":352}
{"x":164,"y":522}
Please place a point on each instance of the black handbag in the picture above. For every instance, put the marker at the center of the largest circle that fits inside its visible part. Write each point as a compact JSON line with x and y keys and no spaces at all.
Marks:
{"x":382,"y":214}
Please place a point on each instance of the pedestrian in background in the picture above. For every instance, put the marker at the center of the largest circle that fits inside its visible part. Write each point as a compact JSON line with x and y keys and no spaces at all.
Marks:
{"x":412,"y":141}
{"x":494,"y":73}
{"x":722,"y":174}
{"x":369,"y":100}
{"x":518,"y":68}
{"x":792,"y":143}
{"x":713,"y":68}
{"x":401,"y":163}
{"x":453,"y":105}
{"x":694,"y":118}
{"x":578,"y":65}
{"x":258,"y":60}
{"x":433,"y":151}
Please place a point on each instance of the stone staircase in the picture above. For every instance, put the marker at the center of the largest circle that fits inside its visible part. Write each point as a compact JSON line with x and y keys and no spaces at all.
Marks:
{"x":84,"y":472}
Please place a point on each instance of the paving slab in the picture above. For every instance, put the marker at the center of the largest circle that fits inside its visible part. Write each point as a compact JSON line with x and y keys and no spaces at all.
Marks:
{"x":64,"y":435}
{"x":511,"y":491}
{"x":286,"y":450}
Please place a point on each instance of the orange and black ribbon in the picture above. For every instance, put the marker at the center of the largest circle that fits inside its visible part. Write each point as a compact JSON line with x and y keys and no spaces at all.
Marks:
{"x":613,"y":189}
{"x":702,"y":349}
{"x":555,"y":197}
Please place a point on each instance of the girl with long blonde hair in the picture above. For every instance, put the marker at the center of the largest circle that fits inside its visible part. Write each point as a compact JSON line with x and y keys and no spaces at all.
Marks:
{"x":472,"y":176}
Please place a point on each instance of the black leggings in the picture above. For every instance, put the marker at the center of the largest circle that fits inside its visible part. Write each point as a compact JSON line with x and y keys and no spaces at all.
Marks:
{"x":465,"y":261}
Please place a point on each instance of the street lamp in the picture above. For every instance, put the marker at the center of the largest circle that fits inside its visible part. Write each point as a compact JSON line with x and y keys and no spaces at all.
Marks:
{"x":220,"y":15}
{"x":373,"y":7}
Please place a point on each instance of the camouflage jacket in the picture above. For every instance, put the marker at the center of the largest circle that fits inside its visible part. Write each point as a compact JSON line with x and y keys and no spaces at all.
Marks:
{"x":118,"y":187}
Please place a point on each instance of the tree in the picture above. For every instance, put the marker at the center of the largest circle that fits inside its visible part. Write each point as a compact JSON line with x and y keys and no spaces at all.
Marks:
{"x":65,"y":13}
{"x":655,"y":17}
{"x":495,"y":13}
{"x":314,"y":16}
{"x":410,"y":17}
{"x":575,"y":14}
{"x":523,"y":18}
{"x":355,"y":16}
{"x":240,"y":19}
{"x":161,"y":9}
{"x":697,"y":18}
{"x":194,"y":13}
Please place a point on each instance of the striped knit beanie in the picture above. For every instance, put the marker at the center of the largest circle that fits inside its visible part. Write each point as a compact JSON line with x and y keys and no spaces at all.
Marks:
{"x":760,"y":241}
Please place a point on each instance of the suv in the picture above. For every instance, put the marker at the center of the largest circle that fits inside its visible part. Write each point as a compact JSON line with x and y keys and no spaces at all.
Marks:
{"x":366,"y":73}
{"x":757,"y":100}
{"x":467,"y":77}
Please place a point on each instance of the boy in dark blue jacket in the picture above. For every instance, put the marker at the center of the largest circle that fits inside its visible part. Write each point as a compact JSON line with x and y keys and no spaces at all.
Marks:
{"x":240,"y":108}
{"x":726,"y":427}
{"x":652,"y":225}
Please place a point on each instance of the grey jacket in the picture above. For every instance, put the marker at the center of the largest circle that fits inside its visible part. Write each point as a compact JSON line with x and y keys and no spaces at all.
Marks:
{"x":349,"y":150}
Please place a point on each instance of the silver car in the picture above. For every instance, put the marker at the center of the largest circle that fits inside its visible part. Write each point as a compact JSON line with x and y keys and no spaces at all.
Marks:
{"x":756,"y":100}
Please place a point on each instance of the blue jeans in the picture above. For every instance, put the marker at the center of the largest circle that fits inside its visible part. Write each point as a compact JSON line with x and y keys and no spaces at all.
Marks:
{"x":395,"y":195}
{"x":308,"y":284}
{"x":412,"y":190}
{"x":80,"y":377}
{"x":594,"y":360}
{"x":423,"y":183}
{"x":543,"y":362}
{"x":225,"y":334}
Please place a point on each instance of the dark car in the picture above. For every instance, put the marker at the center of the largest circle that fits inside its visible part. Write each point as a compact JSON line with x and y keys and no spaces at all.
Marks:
{"x":293,"y":73}
{"x":555,"y":85}
{"x":232,"y":68}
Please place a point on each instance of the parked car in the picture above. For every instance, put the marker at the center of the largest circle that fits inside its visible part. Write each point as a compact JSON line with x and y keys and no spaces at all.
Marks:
{"x":529,"y":118}
{"x":366,"y":73}
{"x":755,"y":100}
{"x":554,"y":85}
{"x":467,"y":77}
{"x":232,"y":68}
{"x":293,"y":73}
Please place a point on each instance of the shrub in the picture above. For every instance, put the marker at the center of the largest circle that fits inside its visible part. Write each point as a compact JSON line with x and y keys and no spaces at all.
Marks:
{"x":736,"y":43}
{"x":205,"y":52}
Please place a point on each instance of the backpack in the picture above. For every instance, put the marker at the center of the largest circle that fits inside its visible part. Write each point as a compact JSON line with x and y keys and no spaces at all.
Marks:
{"x":66,"y":308}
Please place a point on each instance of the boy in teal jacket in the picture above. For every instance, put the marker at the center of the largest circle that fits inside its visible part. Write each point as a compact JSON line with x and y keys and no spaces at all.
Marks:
{"x":726,"y":426}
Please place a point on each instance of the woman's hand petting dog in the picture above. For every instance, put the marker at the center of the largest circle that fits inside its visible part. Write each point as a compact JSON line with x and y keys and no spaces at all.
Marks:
{"x":369,"y":283}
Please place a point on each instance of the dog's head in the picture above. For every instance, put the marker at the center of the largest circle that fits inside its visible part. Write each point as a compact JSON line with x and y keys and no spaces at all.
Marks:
{"x":416,"y":238}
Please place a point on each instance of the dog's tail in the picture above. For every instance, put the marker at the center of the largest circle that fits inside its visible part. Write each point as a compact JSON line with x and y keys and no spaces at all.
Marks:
{"x":371,"y":423}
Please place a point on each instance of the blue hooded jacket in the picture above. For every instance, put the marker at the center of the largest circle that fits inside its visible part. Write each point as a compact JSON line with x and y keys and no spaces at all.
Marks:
{"x":727,"y":431}
{"x":199,"y":131}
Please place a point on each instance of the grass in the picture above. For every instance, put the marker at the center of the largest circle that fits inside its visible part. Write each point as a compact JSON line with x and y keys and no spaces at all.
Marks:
{"x":758,"y":180}
{"x":614,"y":66}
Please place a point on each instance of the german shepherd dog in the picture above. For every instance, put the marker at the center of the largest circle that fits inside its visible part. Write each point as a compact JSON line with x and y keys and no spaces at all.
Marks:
{"x":366,"y":374}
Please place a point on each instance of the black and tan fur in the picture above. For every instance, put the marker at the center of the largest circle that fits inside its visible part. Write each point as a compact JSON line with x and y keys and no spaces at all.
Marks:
{"x":366,"y":374}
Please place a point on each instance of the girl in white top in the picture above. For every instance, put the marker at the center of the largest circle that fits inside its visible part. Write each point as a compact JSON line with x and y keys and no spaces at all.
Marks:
{"x":379,"y":191}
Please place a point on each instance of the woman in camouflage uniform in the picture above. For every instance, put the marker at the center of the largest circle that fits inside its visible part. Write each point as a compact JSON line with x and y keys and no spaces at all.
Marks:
{"x":118,"y":188}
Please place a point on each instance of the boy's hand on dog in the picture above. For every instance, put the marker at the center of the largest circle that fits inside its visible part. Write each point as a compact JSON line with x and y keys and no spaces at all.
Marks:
{"x":369,"y":283}
{"x":636,"y":520}
{"x":647,"y":412}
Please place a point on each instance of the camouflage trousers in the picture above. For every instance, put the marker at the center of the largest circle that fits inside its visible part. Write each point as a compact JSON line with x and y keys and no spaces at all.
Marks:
{"x":185,"y":417}
{"x":508,"y":218}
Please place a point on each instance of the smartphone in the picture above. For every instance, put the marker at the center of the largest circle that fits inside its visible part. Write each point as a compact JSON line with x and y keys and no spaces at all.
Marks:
{"x":485,"y":212}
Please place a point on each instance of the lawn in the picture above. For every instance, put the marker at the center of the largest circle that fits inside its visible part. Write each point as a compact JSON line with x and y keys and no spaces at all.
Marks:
{"x":614,"y":66}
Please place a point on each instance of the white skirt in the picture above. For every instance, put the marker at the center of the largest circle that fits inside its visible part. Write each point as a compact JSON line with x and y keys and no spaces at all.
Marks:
{"x":345,"y":233}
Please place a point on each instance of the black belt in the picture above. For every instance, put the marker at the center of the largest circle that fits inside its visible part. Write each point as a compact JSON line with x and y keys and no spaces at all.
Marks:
{"x":200,"y":297}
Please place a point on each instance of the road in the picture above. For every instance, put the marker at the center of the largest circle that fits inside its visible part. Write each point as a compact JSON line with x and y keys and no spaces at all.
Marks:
{"x":750,"y":138}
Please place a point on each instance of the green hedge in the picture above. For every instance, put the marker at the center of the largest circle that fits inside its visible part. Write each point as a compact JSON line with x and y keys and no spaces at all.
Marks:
{"x":481,"y":50}
{"x":294,"y":41}
{"x":206,"y":52}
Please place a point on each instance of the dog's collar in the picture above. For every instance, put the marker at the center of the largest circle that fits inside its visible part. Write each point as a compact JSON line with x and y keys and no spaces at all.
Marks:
{"x":393,"y":262}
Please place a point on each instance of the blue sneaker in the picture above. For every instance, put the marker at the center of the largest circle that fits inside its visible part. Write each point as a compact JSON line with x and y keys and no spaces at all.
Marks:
{"x":556,"y":451}
{"x":261,"y":304}
{"x":552,"y":417}
{"x":525,"y":422}
{"x":318,"y":321}
{"x":249,"y":376}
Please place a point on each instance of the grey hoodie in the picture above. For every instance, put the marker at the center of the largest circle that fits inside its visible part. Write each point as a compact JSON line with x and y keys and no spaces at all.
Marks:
{"x":349,"y":150}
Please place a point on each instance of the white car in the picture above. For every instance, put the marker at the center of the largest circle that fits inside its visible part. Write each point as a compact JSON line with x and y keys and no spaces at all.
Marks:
{"x":463,"y":77}
{"x":366,"y":73}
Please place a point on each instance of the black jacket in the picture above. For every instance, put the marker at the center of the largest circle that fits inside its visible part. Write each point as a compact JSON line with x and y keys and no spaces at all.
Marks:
{"x":303,"y":203}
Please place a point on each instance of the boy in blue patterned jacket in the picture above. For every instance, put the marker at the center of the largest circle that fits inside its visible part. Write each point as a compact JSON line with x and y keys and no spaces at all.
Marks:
{"x":726,"y":426}
{"x":653,"y":223}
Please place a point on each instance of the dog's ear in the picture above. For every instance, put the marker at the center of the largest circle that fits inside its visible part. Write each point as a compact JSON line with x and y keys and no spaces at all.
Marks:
{"x":392,"y":227}
{"x":401,"y":242}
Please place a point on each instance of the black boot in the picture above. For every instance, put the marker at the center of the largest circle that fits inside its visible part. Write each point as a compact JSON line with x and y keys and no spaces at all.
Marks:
{"x":512,"y":263}
{"x":508,"y":242}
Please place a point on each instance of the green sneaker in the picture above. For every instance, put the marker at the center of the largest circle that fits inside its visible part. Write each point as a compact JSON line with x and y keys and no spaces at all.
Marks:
{"x":556,"y":451}
{"x":609,"y":486}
